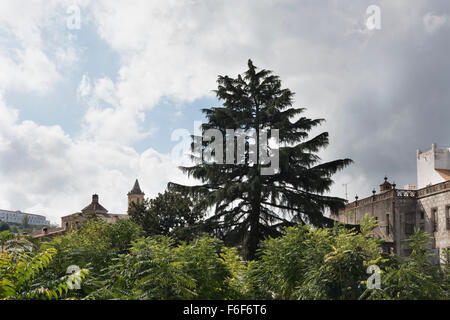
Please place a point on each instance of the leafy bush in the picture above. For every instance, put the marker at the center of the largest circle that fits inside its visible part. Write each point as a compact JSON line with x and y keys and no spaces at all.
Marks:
{"x":309,"y":263}
{"x":315,"y":263}
{"x":155,"y":268}
{"x":415,"y":276}
{"x":304,"y":263}
{"x":19,"y":275}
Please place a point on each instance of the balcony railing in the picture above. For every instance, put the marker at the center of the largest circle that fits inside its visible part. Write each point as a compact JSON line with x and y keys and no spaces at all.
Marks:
{"x":401,"y":193}
{"x":440,"y":187}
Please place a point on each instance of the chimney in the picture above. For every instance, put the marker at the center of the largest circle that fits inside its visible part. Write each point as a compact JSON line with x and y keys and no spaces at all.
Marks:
{"x":95,"y":198}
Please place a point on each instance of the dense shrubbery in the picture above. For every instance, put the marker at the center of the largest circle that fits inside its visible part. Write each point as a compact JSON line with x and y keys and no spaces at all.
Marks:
{"x":157,"y":269}
{"x":118,"y":262}
{"x":22,"y":273}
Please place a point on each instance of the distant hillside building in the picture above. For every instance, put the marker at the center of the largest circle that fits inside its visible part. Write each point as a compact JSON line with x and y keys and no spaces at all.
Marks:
{"x":94,"y":209}
{"x":17,"y":217}
{"x":399,"y":211}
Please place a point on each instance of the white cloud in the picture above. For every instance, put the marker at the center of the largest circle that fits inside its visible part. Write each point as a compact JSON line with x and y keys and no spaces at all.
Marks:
{"x":28,"y":70}
{"x":84,"y":87}
{"x":106,"y":119}
{"x":43,"y":170}
{"x":28,"y":62}
{"x":433,"y":22}
{"x":105,"y":90}
{"x":176,"y":49}
{"x":113,"y":124}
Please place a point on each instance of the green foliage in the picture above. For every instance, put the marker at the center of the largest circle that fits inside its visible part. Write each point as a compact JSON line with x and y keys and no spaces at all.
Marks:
{"x":339,"y":271}
{"x":93,"y":247}
{"x":415,"y":276}
{"x":156,"y":268}
{"x":23,"y":227}
{"x":25,"y":221}
{"x":19,"y":275}
{"x":205,"y":263}
{"x":169,"y":214}
{"x":249,"y":206}
{"x":315,"y":263}
{"x":96,"y":242}
{"x":305,"y":263}
{"x":237,"y":280}
{"x":122,"y":233}
{"x":90,"y":245}
{"x":5,"y":239}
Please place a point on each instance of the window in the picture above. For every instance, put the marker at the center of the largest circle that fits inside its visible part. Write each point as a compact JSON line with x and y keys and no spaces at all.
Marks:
{"x":447,"y":217}
{"x":387,"y":224}
{"x":422,"y":215}
{"x":434,"y":220}
{"x":409,"y":223}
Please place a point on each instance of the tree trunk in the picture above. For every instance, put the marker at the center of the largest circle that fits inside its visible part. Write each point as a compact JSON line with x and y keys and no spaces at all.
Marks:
{"x":253,"y":235}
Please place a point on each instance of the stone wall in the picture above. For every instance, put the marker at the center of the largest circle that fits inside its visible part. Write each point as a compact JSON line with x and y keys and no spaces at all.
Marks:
{"x":435,"y":210}
{"x":399,"y":212}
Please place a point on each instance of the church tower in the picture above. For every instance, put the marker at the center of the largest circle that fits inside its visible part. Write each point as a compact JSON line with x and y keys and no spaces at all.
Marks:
{"x":135,"y":195}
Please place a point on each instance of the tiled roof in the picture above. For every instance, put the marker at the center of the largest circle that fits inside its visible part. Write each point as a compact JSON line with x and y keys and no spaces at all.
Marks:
{"x":444,"y":173}
{"x":94,"y":206}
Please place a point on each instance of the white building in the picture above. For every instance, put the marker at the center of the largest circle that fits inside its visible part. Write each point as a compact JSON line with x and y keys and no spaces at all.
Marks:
{"x":433,"y":166}
{"x":17,"y":217}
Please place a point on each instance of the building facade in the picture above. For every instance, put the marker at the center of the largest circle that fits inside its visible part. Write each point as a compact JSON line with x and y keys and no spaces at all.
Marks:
{"x":17,"y":217}
{"x":135,"y":195}
{"x":94,"y":209}
{"x":400,"y":211}
{"x":433,"y":166}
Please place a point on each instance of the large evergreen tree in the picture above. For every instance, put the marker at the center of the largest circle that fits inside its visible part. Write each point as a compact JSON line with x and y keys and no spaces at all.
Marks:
{"x":249,"y":206}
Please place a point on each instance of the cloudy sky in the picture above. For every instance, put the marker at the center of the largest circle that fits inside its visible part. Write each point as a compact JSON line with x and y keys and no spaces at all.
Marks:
{"x":87,"y":110}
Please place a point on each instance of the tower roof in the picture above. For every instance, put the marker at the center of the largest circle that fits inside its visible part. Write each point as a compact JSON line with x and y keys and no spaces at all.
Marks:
{"x":95,"y":207}
{"x":136,"y":189}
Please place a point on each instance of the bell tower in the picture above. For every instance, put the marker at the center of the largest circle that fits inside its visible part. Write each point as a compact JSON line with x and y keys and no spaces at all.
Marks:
{"x":135,"y":195}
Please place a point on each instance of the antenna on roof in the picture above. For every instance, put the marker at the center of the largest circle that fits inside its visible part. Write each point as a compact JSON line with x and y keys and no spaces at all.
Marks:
{"x":345,"y":185}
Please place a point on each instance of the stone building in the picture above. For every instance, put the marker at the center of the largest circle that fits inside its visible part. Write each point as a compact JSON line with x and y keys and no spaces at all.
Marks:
{"x":135,"y":195}
{"x":399,"y":211}
{"x":94,"y":209}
